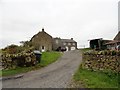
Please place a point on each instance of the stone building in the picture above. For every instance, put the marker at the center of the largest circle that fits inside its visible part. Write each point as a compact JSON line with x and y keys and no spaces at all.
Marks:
{"x":98,"y":44}
{"x":42,"y":41}
{"x":101,"y":44}
{"x":117,"y":37}
{"x":69,"y":44}
{"x":114,"y":43}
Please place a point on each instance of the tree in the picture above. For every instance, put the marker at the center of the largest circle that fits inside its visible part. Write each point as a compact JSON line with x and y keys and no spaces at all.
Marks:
{"x":11,"y":49}
{"x":27,"y":43}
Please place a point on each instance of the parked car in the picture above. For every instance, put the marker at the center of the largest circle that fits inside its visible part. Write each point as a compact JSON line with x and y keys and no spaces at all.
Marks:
{"x":62,"y":49}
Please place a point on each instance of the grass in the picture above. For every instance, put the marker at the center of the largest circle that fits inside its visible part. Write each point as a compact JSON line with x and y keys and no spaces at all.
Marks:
{"x":47,"y":58}
{"x":85,"y":49}
{"x":96,"y":79}
{"x":18,"y":70}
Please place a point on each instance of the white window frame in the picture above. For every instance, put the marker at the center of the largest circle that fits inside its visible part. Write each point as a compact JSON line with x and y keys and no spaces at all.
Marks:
{"x":69,"y":43}
{"x":64,"y":43}
{"x":56,"y":41}
{"x":73,"y":44}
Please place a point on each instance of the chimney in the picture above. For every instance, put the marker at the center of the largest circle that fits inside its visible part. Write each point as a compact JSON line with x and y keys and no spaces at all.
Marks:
{"x":42,"y":29}
{"x":71,"y":38}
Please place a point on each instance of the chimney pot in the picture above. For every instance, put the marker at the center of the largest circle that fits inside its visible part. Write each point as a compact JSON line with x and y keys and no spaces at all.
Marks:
{"x":71,"y":38}
{"x":42,"y":29}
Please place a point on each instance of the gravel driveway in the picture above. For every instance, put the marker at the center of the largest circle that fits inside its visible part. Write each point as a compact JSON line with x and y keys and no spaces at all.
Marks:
{"x":56,"y":75}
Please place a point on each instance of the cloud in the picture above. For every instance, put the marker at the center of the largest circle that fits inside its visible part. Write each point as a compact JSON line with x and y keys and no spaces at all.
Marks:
{"x":80,"y":19}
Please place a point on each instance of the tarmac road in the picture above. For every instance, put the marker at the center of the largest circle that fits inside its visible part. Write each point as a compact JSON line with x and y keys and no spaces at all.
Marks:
{"x":56,"y":75}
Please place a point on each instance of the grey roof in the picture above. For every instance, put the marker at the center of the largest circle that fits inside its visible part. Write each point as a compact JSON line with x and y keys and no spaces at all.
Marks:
{"x":113,"y":42}
{"x":117,"y":37}
{"x":39,"y":33}
{"x":67,"y":40}
{"x":95,"y":39}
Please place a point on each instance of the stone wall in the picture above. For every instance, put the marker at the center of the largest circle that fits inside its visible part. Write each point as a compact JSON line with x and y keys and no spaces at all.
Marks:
{"x":102,"y":60}
{"x":11,"y":61}
{"x":42,"y":39}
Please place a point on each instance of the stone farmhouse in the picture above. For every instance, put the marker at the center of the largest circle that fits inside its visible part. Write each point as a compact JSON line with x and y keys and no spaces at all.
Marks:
{"x":45,"y":42}
{"x":69,"y":44}
{"x":42,"y":41}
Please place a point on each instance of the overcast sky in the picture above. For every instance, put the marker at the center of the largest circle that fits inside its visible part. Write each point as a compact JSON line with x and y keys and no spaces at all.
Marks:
{"x":79,"y":19}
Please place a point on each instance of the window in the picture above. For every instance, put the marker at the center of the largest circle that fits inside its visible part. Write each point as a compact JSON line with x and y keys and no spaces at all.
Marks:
{"x":64,"y":43}
{"x":73,"y":44}
{"x":42,"y":47}
{"x":69,"y":43}
{"x":56,"y":41}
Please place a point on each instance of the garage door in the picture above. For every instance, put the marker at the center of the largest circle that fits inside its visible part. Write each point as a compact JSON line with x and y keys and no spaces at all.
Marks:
{"x":66,"y":48}
{"x":72,"y":48}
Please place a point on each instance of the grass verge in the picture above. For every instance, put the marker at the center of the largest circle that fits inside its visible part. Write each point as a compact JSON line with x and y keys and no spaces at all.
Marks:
{"x":18,"y":70}
{"x":85,"y":49}
{"x":47,"y":58}
{"x":96,"y":79}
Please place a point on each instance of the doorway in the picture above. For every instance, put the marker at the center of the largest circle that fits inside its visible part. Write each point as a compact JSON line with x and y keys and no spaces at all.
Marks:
{"x":43,"y":48}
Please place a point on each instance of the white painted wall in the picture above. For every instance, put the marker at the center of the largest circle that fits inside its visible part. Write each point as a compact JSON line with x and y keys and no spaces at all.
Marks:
{"x":67,"y":48}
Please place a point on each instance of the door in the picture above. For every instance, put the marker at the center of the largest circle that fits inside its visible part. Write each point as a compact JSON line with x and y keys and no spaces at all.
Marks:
{"x":72,"y":48}
{"x":67,"y":48}
{"x":43,"y":48}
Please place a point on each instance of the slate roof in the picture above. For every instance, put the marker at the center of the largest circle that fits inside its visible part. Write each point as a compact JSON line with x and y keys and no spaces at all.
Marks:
{"x":117,"y":37}
{"x":39,"y":33}
{"x":113,"y":42}
{"x":68,"y":40}
{"x":96,"y":39}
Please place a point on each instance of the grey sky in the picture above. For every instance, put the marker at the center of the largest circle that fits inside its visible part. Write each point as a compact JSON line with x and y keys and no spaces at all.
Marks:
{"x":79,"y":19}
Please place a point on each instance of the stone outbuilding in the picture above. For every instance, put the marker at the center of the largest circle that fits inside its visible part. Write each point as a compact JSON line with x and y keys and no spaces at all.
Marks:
{"x":115,"y":43}
{"x":98,"y":44}
{"x":42,"y":41}
{"x":69,"y":44}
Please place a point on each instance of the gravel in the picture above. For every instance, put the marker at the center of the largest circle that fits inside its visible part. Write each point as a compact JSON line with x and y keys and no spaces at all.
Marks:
{"x":56,"y":75}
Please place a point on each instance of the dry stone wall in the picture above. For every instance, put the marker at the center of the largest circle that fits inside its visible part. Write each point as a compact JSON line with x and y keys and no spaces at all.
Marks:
{"x":11,"y":61}
{"x":102,"y":60}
